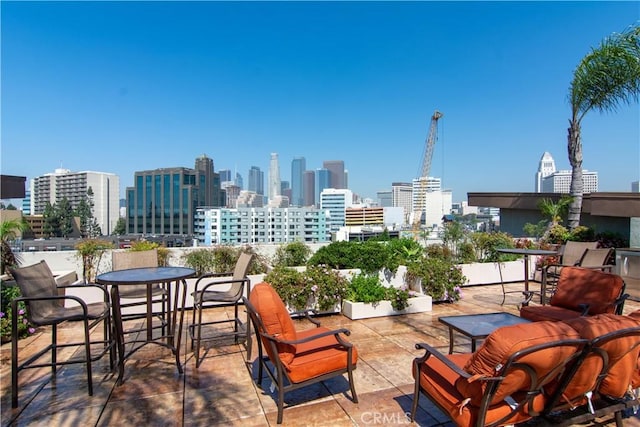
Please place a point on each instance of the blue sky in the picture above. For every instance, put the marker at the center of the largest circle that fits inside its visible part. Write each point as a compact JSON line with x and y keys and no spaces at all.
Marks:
{"x":125,"y":86}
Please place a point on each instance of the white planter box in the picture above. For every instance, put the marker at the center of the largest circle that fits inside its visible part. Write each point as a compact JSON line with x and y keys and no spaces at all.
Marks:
{"x":481,"y":273}
{"x":361,"y":310}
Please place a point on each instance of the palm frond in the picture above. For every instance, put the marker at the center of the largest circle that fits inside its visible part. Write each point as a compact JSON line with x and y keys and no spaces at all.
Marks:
{"x":608,"y":76}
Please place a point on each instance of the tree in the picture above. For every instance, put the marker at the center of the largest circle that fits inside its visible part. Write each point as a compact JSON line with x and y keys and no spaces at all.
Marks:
{"x":9,"y":231}
{"x":605,"y":78}
{"x":51,"y":221}
{"x":83,"y":212}
{"x":121,"y":227}
{"x":65,"y":217}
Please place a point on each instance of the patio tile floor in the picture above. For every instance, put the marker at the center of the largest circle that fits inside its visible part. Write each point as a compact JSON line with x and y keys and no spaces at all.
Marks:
{"x":223,"y":390}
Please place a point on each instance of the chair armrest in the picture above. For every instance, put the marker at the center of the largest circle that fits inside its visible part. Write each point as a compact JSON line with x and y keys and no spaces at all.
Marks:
{"x":599,"y":267}
{"x":619,"y":303}
{"x":584,"y":307}
{"x":103,"y":288}
{"x":307,"y":315}
{"x":335,"y":332}
{"x":218,"y":283}
{"x":14,"y":302}
{"x":528,"y":296}
{"x":431,"y":351}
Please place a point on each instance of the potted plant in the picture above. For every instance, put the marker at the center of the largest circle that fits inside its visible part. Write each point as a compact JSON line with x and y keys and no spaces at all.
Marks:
{"x":318,"y":287}
{"x":368,"y":297}
{"x":438,"y":277}
{"x":91,"y":251}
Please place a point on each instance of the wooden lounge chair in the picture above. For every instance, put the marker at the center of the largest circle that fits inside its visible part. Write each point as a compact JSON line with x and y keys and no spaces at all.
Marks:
{"x":580,"y":292}
{"x":45,"y":307}
{"x":299,"y":358}
{"x":219,"y":290}
{"x":504,"y":381}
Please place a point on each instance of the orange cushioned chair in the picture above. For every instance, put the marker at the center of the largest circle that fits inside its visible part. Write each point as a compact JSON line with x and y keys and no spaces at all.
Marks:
{"x":580,"y":292}
{"x":503,"y":382}
{"x":299,"y":358}
{"x":606,"y":372}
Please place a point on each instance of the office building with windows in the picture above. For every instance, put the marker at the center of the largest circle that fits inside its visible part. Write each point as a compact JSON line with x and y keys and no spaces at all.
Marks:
{"x":298,"y":166}
{"x":52,"y":188}
{"x":309,"y":188}
{"x":546,"y":167}
{"x":560,"y":182}
{"x":337,"y":177}
{"x":256,"y":180}
{"x":336,"y":202}
{"x":402,"y":196}
{"x":323,"y":181}
{"x":164,"y":201}
{"x":267,"y":225}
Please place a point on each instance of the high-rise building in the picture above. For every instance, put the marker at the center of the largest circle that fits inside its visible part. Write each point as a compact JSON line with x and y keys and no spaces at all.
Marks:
{"x":402,"y":194}
{"x":336,"y":170}
{"x":309,"y":188}
{"x":52,"y":188}
{"x":385,"y":198}
{"x":560,"y":182}
{"x":336,"y":201}
{"x":298,"y":166}
{"x":323,"y":181}
{"x":256,"y":180}
{"x":163,"y":201}
{"x":274,"y":177}
{"x":635,"y":187}
{"x":545,"y":168}
{"x":239,"y":181}
{"x":225,"y":175}
{"x":261,"y":225}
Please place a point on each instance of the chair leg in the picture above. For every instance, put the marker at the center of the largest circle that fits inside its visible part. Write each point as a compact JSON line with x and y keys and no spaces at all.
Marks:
{"x":416,"y":393}
{"x":353,"y":387}
{"x":54,"y":348}
{"x":87,"y":347}
{"x":280,"y":404}
{"x":14,"y":358}
{"x":198,"y":336}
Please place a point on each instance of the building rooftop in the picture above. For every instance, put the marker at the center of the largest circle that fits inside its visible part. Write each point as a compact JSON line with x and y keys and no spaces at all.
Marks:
{"x":223,"y":390}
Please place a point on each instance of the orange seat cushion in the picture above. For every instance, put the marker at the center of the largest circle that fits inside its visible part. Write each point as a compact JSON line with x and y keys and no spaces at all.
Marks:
{"x":276,"y":320}
{"x":504,"y":342}
{"x":439,"y":383}
{"x":623,"y":363}
{"x":538,"y":313}
{"x":318,"y":357}
{"x":586,"y":286}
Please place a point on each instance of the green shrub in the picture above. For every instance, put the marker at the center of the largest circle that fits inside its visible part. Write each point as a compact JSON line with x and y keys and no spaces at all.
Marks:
{"x":317,"y":285}
{"x":368,"y":289}
{"x":7,"y":295}
{"x":292,"y":254}
{"x":440,"y":278}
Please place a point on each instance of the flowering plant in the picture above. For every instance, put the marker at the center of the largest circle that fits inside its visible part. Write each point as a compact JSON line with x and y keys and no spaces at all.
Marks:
{"x":9,"y":293}
{"x":439,"y":277}
{"x":317,"y":287}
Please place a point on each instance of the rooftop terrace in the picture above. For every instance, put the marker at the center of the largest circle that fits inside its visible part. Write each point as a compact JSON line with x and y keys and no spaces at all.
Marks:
{"x":223,"y":390}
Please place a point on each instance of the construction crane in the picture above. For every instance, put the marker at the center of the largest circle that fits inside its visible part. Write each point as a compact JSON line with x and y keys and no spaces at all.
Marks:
{"x":429,"y":144}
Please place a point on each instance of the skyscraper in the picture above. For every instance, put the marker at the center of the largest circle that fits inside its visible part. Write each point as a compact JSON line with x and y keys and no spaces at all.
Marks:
{"x":256,"y":180}
{"x":163,"y":201}
{"x":545,"y":168}
{"x":309,"y":186}
{"x":274,"y":177}
{"x":337,"y":176}
{"x":73,"y":186}
{"x":298,"y":166}
{"x":323,"y":180}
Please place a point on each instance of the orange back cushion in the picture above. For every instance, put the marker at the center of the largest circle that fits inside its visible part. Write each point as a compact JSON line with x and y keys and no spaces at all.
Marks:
{"x":276,"y":319}
{"x":504,"y":342}
{"x":622,"y":362}
{"x":578,"y":285}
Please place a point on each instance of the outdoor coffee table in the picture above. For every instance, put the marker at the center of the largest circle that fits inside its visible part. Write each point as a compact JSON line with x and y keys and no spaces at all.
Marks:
{"x":478,"y":326}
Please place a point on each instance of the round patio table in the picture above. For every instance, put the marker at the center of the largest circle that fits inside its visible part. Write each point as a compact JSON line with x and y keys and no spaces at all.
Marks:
{"x":167,"y":276}
{"x":526,"y":253}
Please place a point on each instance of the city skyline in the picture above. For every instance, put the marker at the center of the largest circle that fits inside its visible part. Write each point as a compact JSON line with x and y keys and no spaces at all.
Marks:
{"x":91,"y":86}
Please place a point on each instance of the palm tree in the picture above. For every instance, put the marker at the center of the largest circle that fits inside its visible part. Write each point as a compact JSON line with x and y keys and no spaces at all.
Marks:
{"x":606,"y":78}
{"x":554,"y":212}
{"x":9,"y":231}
